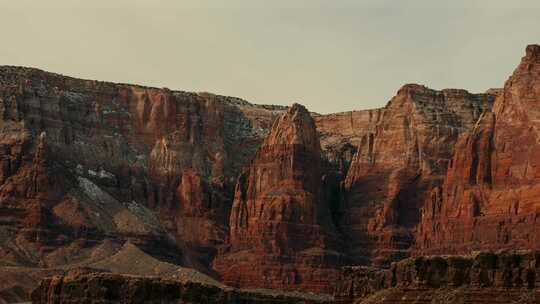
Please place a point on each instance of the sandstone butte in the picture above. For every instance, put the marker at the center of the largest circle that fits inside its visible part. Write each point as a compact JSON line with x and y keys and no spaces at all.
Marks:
{"x":115,"y":177}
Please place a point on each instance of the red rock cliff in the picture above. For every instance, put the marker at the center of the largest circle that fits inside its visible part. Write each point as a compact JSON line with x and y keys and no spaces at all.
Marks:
{"x":86,"y":164}
{"x":85,"y":161}
{"x":401,"y":157}
{"x":491,"y":194}
{"x":485,"y":277}
{"x":281,"y":231}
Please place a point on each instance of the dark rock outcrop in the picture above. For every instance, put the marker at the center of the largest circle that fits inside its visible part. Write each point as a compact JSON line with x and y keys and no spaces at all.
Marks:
{"x":115,"y":288}
{"x":505,"y":275}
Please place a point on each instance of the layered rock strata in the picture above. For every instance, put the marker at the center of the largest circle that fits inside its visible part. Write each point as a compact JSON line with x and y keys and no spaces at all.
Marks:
{"x":114,"y":288}
{"x":87,"y":165}
{"x":87,"y":161}
{"x":281,"y":230}
{"x":490,"y":198}
{"x":401,"y":157}
{"x":484,"y":277}
{"x":282,"y":197}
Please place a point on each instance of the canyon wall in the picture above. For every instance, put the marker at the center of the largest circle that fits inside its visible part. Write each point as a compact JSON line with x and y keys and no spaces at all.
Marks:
{"x":490,"y":198}
{"x":281,"y":229}
{"x":86,"y":166}
{"x":84,"y":161}
{"x":263,"y":196}
{"x":403,"y":155}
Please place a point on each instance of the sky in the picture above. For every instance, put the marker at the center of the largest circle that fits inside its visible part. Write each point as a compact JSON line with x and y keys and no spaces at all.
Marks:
{"x":330,"y":55}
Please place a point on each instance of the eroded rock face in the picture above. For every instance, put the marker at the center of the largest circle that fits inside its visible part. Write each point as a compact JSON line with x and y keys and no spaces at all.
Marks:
{"x":491,"y":194}
{"x":114,"y":288}
{"x":84,"y":161}
{"x":402,"y":155}
{"x":501,"y":277}
{"x":341,"y":134}
{"x":281,"y":198}
{"x":281,"y":229}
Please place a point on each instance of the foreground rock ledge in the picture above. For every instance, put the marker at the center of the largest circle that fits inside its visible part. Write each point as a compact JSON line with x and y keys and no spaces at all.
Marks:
{"x":484,"y":277}
{"x":116,"y":288}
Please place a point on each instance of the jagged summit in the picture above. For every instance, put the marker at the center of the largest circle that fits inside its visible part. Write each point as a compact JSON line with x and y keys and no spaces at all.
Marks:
{"x":532,"y":51}
{"x":296,"y":126}
{"x":278,"y":212}
{"x":296,"y":107}
{"x":528,"y":68}
{"x":413,"y":87}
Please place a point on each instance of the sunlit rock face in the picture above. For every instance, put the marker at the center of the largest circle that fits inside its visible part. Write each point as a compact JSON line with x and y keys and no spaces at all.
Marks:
{"x":263,"y":196}
{"x":491,"y":194}
{"x":84,"y":161}
{"x":281,"y":230}
{"x":402,"y":155}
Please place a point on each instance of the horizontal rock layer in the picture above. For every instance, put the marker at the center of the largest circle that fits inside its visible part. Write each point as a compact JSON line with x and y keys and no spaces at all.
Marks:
{"x":88,"y":160}
{"x":114,"y":288}
{"x":498,"y":276}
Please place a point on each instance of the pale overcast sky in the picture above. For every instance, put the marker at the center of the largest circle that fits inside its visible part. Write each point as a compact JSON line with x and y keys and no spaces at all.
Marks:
{"x":330,"y":55}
